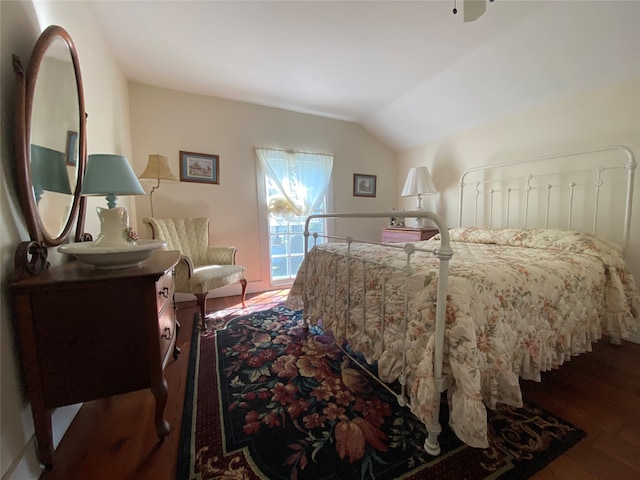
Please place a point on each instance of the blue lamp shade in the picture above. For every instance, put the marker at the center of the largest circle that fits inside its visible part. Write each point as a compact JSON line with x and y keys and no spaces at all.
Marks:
{"x":110,"y":175}
{"x":48,"y":171}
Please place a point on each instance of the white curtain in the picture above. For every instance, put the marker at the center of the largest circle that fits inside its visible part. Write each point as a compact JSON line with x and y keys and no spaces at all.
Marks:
{"x":300,"y":180}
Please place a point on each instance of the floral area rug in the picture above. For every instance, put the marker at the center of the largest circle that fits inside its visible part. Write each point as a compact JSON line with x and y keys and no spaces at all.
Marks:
{"x":268,"y":399}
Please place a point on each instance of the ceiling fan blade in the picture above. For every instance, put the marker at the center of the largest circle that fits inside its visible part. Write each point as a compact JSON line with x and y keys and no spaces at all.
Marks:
{"x":473,"y":9}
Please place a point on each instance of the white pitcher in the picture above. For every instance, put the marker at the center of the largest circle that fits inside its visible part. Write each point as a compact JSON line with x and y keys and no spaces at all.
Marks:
{"x":114,"y":226}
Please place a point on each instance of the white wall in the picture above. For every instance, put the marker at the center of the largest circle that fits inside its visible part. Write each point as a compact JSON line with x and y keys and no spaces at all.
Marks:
{"x":166,"y":121}
{"x":106,"y":95}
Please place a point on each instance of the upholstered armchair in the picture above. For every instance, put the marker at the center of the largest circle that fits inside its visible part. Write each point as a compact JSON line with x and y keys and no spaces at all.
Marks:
{"x":202,"y":268}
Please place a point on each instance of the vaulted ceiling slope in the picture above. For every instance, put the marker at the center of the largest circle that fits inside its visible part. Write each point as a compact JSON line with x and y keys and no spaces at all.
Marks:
{"x":408,"y":71}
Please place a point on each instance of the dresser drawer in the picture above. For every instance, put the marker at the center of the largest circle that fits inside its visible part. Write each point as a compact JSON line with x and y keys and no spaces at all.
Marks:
{"x":165,"y":288}
{"x":407,"y":235}
{"x":167,"y":329}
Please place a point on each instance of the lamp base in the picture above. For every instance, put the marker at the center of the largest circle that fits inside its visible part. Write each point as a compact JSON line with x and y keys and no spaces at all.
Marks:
{"x":114,"y":226}
{"x":419,"y":220}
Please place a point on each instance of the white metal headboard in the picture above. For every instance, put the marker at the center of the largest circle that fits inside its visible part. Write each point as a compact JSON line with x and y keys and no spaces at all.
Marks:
{"x":580,"y":190}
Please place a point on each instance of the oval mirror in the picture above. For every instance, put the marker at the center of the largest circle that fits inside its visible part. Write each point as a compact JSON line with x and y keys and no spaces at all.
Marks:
{"x":52,"y":143}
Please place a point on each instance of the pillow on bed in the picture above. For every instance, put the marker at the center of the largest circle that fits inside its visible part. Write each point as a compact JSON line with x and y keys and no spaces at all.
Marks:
{"x":488,"y":235}
{"x":548,"y":239}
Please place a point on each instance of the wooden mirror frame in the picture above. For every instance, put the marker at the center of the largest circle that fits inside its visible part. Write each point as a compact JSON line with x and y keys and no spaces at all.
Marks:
{"x":24,"y":110}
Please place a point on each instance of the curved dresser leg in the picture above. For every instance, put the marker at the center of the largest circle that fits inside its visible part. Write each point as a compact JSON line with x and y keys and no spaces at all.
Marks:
{"x":44,"y":436}
{"x":160,"y":392}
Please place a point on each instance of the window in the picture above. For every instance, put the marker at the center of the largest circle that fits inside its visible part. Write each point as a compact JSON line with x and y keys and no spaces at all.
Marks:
{"x":295,"y":186}
{"x":286,"y":244}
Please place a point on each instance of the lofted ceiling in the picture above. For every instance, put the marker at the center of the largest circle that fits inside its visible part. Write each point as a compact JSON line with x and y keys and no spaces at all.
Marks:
{"x":410,"y":72}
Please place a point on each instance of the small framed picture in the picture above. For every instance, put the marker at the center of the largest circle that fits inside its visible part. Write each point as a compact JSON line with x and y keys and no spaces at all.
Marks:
{"x":364,"y":185}
{"x":199,"y":167}
{"x":71,"y":151}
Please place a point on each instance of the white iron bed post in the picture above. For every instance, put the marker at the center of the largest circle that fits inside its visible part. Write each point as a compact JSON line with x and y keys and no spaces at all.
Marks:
{"x":444,"y":254}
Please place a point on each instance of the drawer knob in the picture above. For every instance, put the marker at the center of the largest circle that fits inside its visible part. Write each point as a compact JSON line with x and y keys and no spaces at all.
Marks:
{"x":166,"y":333}
{"x":164,"y":292}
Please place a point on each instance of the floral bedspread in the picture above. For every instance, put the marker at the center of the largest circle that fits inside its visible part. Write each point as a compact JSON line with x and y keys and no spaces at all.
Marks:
{"x":519,"y":302}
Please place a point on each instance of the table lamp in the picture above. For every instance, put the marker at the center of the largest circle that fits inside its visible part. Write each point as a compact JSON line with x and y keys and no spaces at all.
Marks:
{"x":111,"y":175}
{"x":158,"y":169}
{"x":418,"y":183}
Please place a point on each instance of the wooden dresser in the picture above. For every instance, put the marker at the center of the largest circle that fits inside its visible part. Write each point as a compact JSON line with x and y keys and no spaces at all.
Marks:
{"x":86,"y":334}
{"x":407,"y":234}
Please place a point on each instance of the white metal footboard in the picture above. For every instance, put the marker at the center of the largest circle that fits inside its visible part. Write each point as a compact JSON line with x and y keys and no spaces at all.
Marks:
{"x":444,"y":253}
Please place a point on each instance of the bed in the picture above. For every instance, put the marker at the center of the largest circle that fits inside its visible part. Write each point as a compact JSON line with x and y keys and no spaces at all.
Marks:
{"x":476,"y":308}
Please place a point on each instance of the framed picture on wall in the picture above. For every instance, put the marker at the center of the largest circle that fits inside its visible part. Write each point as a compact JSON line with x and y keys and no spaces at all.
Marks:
{"x":364,"y":185}
{"x":199,"y":167}
{"x":71,"y":150}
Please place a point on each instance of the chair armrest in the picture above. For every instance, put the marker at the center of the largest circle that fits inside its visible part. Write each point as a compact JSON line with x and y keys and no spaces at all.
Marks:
{"x":184,"y":270}
{"x":188,"y":262}
{"x":221,"y":255}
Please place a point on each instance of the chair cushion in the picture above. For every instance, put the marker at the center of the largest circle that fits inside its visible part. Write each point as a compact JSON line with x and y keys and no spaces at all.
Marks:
{"x":205,"y":279}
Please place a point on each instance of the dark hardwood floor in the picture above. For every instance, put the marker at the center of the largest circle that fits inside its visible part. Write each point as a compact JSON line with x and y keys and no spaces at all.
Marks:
{"x":114,"y":438}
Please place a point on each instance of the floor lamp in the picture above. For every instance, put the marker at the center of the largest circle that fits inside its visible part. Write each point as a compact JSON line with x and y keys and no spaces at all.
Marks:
{"x":158,"y":169}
